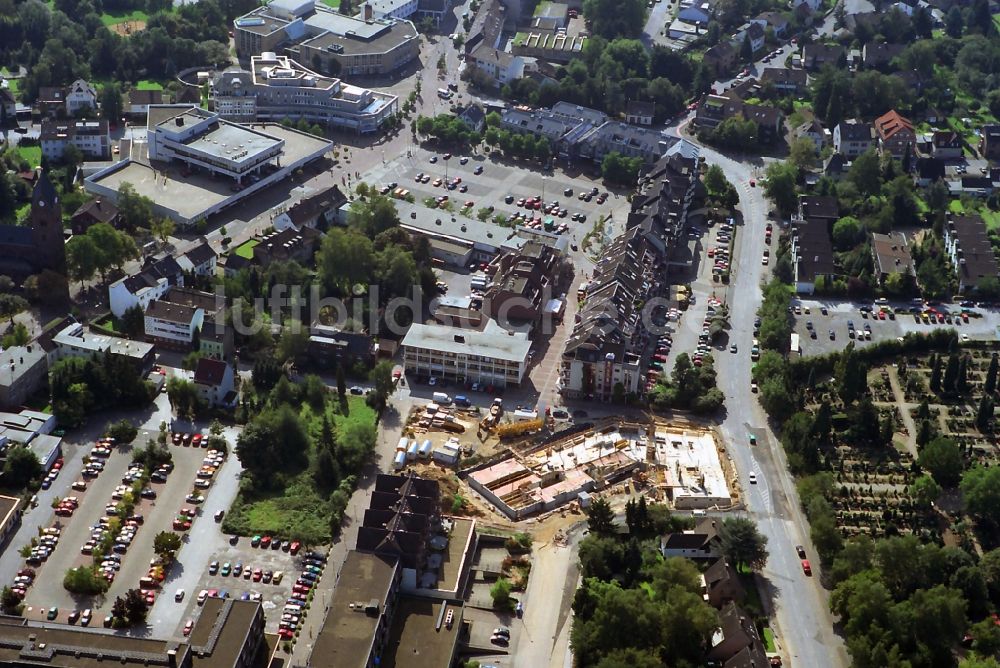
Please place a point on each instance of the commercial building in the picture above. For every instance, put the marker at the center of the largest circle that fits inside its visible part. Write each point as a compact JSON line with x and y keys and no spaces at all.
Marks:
{"x":525,"y":284}
{"x":90,"y":137}
{"x":606,"y":345}
{"x":968,"y":247}
{"x":579,"y":132}
{"x":188,"y":149}
{"x":398,"y":595}
{"x":493,"y":356}
{"x":227,"y":634}
{"x":277,"y":87}
{"x":33,"y":430}
{"x":329,"y":41}
{"x":76,"y":341}
{"x":556,"y":47}
{"x":23,"y":372}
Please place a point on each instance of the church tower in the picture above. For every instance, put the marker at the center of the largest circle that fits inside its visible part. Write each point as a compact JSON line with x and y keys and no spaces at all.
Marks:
{"x":46,"y":227}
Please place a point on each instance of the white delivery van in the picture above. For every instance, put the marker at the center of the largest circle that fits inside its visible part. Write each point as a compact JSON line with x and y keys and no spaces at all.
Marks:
{"x":442,"y":398}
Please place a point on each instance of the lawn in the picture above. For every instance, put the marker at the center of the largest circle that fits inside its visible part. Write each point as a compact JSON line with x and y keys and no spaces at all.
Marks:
{"x":33,"y":154}
{"x":956,"y":206}
{"x":13,"y":85}
{"x":332,"y":3}
{"x":301,"y":509}
{"x":245,"y":249}
{"x":769,"y":640}
{"x":114,"y":18}
{"x":992,"y":218}
{"x":542,"y":8}
{"x":146,"y":84}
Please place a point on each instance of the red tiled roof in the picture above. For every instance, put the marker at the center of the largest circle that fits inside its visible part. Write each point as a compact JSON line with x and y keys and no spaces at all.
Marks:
{"x":892,"y":123}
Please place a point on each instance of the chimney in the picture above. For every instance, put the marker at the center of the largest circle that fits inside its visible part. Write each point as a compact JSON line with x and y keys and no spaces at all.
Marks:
{"x":369,"y":13}
{"x":172,"y":658}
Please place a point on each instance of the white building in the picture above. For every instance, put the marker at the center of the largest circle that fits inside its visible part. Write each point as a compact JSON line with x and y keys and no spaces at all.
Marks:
{"x":201,"y":139}
{"x":80,"y":96}
{"x":142,"y":288}
{"x":389,"y":9}
{"x":215,"y":383}
{"x":277,"y":87}
{"x":91,"y":137}
{"x":75,"y":341}
{"x":501,"y":66}
{"x":493,"y":356}
{"x":173,"y":325}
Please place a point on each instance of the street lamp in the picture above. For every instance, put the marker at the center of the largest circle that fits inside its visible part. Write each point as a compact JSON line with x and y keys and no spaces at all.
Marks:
{"x":543,"y":187}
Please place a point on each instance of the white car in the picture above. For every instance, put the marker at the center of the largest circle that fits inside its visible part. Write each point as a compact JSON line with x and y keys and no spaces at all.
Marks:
{"x":764,"y":260}
{"x":753,"y":478}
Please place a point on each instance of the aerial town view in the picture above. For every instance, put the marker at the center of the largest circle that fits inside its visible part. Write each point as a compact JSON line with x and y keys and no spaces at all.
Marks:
{"x":500,"y":333}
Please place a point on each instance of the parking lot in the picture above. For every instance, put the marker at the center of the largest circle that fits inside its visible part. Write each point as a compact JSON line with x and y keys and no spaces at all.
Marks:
{"x":982,"y":324}
{"x":251,"y":574}
{"x":498,"y":180}
{"x":95,"y":507}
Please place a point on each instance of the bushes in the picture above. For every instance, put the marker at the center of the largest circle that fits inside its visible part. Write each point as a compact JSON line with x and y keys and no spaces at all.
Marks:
{"x":85,"y":580}
{"x":123,"y":432}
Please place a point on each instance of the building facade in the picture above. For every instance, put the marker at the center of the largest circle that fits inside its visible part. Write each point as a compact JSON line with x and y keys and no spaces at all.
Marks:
{"x":277,"y":87}
{"x":90,"y":137}
{"x":493,"y":357}
{"x":329,"y":42}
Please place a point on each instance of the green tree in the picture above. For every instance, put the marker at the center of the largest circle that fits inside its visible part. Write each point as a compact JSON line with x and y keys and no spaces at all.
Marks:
{"x":123,"y":431}
{"x":21,"y":468}
{"x":990,"y":384}
{"x":341,"y":382}
{"x":953,"y":22}
{"x":85,"y":581}
{"x":980,"y":488}
{"x":950,"y":383}
{"x":847,"y":232}
{"x":780,"y":187}
{"x":615,"y":18}
{"x":500,"y":593}
{"x":112,"y":107}
{"x":984,"y":414}
{"x":162,"y":228}
{"x":133,"y":322}
{"x":166,"y":544}
{"x":82,"y":258}
{"x":742,"y":544}
{"x":935,"y":383}
{"x":802,"y":153}
{"x":600,"y":517}
{"x":617,"y":168}
{"x":383,"y":384}
{"x":134,"y":210}
{"x":865,"y":173}
{"x":925,"y":491}
{"x":943,"y":460}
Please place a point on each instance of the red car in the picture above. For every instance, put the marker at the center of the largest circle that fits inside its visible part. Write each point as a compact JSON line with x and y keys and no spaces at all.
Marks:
{"x":296,"y":545}
{"x":257,"y":575}
{"x":300,"y":589}
{"x":150,"y":597}
{"x":753,"y":183}
{"x":286,"y":634}
{"x":265,"y":541}
{"x":806,"y":568}
{"x":188,"y":625}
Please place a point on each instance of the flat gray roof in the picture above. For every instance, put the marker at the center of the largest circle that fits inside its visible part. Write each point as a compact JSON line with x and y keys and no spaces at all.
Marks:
{"x":494,"y":341}
{"x":228,"y":140}
{"x":387,"y":37}
{"x":190,"y":196}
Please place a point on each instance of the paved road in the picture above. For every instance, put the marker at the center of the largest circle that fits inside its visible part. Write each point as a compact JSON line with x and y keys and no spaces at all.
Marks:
{"x":801,"y":608}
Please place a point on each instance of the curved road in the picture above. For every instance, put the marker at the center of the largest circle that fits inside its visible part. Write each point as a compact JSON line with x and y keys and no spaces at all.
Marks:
{"x":800,"y":605}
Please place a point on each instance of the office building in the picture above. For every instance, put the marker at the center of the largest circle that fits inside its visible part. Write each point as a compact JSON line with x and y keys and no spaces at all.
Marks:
{"x":330,"y":42}
{"x":277,"y":87}
{"x":90,"y":137}
{"x":492,"y":356}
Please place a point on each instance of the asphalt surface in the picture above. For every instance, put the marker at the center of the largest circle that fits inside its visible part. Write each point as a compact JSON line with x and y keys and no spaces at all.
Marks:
{"x":800,"y":605}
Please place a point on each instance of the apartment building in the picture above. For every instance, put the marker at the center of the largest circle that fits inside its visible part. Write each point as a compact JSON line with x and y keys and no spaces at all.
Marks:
{"x":968,"y":247}
{"x":23,"y":372}
{"x":526,"y":286}
{"x":90,"y":137}
{"x":172,"y":319}
{"x":603,"y":354}
{"x":493,"y":356}
{"x":140,"y":289}
{"x":499,"y":65}
{"x":81,"y":97}
{"x":852,"y":138}
{"x":330,"y":42}
{"x":277,"y":87}
{"x":215,"y":382}
{"x":812,"y":254}
{"x":895,"y":134}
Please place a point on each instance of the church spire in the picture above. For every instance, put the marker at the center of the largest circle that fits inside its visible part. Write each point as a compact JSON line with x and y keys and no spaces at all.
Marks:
{"x":44,"y":194}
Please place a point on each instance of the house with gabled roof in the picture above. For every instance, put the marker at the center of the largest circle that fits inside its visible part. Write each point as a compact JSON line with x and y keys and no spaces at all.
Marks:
{"x":215,"y":382}
{"x":895,"y":133}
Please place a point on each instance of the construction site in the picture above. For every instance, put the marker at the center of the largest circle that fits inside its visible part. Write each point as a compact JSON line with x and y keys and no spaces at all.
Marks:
{"x":523,"y":465}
